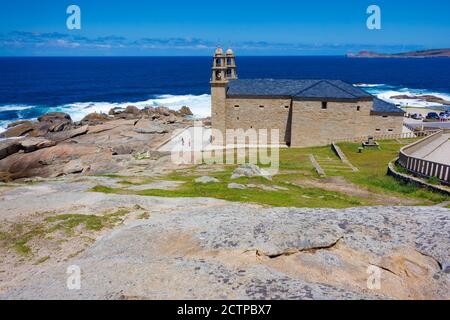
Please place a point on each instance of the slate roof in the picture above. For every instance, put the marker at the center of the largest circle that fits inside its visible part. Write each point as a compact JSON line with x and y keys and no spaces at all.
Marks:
{"x":307,"y":90}
{"x":382,"y":106}
{"x":297,"y":89}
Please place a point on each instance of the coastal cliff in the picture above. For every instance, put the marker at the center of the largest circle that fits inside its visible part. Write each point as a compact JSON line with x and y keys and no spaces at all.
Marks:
{"x":433,"y":53}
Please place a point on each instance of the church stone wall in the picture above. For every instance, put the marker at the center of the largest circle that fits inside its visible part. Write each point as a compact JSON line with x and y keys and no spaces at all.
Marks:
{"x":260,"y":114}
{"x":387,"y":124}
{"x":314,"y":126}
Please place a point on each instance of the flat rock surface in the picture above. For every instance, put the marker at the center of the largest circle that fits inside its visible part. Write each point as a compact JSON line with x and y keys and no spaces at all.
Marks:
{"x":159,"y":184}
{"x":194,"y":248}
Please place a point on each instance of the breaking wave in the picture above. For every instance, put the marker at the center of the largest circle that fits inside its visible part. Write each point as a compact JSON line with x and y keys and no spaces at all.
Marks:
{"x":200,"y":106}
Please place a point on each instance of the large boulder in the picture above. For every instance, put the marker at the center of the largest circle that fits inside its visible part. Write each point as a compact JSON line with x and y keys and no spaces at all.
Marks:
{"x":171,"y":118}
{"x":16,"y":123}
{"x":19,"y":130}
{"x":33,"y":144}
{"x":66,"y":135}
{"x":55,"y":121}
{"x":185,"y":111}
{"x":250,"y":171}
{"x":148,"y":110}
{"x":147,"y":126}
{"x":206,"y":180}
{"x":50,"y":122}
{"x":55,"y":117}
{"x":163,"y":111}
{"x":133,"y":110}
{"x":115,"y":111}
{"x":122,"y":149}
{"x":94,"y":119}
{"x":47,"y":162}
{"x":9,"y":147}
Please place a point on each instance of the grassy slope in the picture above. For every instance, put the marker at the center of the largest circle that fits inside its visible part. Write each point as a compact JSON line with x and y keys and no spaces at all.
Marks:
{"x":295,"y":166}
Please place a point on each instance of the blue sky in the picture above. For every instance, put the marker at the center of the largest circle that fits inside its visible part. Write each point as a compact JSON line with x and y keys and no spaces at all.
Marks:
{"x":262,"y":27}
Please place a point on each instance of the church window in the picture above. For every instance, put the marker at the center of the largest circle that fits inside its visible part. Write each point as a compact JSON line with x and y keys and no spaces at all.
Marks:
{"x":358,"y":108}
{"x":324,"y":105}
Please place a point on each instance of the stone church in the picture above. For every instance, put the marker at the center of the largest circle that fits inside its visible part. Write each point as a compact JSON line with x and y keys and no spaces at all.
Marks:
{"x":306,"y":112}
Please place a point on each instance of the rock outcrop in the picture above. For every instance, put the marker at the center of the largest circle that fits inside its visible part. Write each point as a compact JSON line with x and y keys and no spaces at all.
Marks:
{"x":249,"y":171}
{"x":94,"y":119}
{"x":185,"y":111}
{"x":123,"y":132}
{"x":206,"y":180}
{"x":212,"y":249}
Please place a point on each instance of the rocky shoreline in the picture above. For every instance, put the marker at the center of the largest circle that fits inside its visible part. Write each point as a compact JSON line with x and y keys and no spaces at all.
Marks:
{"x":54,"y":145}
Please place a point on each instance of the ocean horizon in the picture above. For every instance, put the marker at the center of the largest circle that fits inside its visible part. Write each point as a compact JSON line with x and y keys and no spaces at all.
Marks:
{"x":32,"y":86}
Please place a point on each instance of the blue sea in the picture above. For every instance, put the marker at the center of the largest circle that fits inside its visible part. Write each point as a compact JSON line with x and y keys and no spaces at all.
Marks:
{"x":30,"y":87}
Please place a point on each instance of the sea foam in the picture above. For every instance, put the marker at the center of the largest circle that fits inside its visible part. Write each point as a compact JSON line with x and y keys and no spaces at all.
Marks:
{"x":200,"y":106}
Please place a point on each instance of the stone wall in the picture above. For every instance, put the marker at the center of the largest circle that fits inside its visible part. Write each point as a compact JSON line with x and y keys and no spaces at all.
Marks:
{"x":386,"y":124}
{"x":314,"y":126}
{"x":260,"y":114}
{"x":218,"y":99}
{"x":301,"y":123}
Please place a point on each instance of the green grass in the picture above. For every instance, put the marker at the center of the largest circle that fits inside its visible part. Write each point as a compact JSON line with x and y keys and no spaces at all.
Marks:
{"x":373,"y":167}
{"x":294,"y":167}
{"x":296,"y":196}
{"x":434,"y":181}
{"x":19,"y":235}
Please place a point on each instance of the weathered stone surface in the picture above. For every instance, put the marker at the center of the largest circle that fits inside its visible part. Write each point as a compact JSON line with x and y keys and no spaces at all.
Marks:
{"x":206,"y":179}
{"x":9,"y":147}
{"x":65,"y":135}
{"x":163,"y":111}
{"x":94,"y":119}
{"x":54,"y":122}
{"x":50,"y":122}
{"x":132,"y":109}
{"x":33,"y":144}
{"x":47,"y":162}
{"x":171,"y":119}
{"x":236,"y":186}
{"x":19,"y":130}
{"x":55,"y":117}
{"x":185,"y":111}
{"x":122,"y":149}
{"x":115,"y":111}
{"x":16,"y":123}
{"x":159,"y":184}
{"x":147,"y":126}
{"x":249,"y":171}
{"x":211,"y":249}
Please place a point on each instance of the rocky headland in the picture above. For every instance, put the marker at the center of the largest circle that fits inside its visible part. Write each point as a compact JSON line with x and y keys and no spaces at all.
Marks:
{"x":432,"y":53}
{"x":54,"y":145}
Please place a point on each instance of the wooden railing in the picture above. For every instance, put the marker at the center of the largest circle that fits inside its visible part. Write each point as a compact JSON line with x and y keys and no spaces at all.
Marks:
{"x":423,"y":167}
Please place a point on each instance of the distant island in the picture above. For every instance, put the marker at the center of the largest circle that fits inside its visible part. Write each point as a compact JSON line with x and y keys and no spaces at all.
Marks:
{"x":432,"y":53}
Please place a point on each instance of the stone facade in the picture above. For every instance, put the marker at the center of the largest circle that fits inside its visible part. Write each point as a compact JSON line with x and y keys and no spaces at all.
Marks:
{"x":386,"y":124}
{"x":301,"y":122}
{"x":314,"y":126}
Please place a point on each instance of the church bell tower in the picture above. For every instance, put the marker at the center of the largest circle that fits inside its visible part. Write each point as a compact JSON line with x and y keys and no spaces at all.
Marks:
{"x":223,"y":70}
